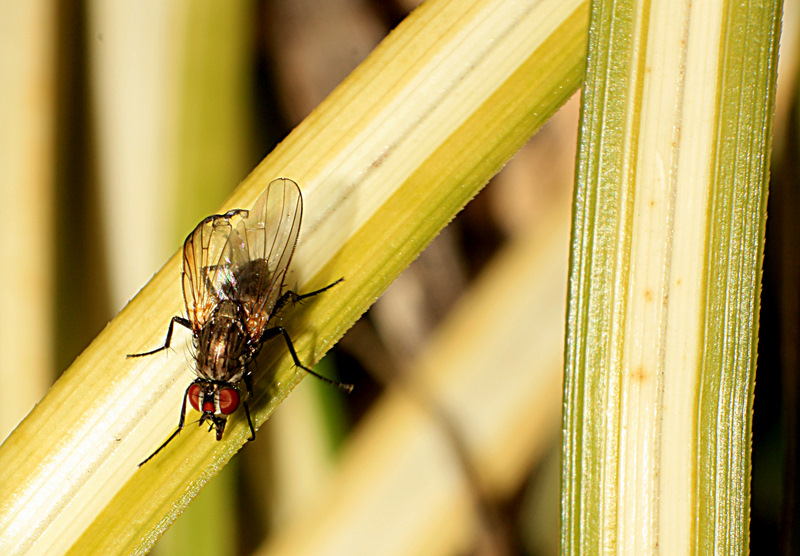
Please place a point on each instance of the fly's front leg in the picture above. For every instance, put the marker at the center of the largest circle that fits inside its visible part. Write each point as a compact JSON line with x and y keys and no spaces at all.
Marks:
{"x":248,"y":384}
{"x":181,"y":421}
{"x":279,"y":330}
{"x":295,"y":297}
{"x":180,"y":320}
{"x":249,"y":422}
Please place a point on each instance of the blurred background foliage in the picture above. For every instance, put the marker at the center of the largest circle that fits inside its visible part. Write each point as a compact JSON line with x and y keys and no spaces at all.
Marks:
{"x":122,"y":124}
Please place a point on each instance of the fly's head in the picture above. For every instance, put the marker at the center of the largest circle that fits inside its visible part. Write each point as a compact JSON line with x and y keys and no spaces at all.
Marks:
{"x":215,"y":400}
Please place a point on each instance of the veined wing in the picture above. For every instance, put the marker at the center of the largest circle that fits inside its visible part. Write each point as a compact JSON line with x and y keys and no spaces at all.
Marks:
{"x":211,"y":254}
{"x":269,"y":234}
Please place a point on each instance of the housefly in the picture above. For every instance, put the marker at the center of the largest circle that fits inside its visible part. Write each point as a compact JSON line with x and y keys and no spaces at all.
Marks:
{"x":234,"y":273}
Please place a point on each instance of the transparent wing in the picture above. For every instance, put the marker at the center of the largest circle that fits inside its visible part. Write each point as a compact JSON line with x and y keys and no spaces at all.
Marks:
{"x":243,"y":255}
{"x":269,"y":236}
{"x":211,"y":254}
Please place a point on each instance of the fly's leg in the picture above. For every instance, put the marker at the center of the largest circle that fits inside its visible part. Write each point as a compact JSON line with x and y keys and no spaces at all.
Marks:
{"x":299,"y":297}
{"x":249,"y":422}
{"x":279,"y":330}
{"x":248,"y":383}
{"x":295,"y":297}
{"x":180,"y":424}
{"x":180,"y":320}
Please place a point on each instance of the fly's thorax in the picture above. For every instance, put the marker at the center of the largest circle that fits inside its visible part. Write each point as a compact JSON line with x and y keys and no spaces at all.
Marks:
{"x":223,"y":346}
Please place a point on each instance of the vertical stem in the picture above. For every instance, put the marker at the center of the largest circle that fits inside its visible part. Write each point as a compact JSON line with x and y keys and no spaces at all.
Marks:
{"x":666,"y":262}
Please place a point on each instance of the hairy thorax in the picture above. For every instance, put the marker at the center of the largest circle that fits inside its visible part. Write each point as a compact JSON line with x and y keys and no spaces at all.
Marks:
{"x":222,"y":344}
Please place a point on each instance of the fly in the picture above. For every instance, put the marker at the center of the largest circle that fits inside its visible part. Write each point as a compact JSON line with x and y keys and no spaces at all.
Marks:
{"x":234,"y":272}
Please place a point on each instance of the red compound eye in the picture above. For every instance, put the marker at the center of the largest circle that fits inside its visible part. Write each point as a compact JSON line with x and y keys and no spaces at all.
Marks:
{"x":195,"y":396}
{"x":228,"y":400}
